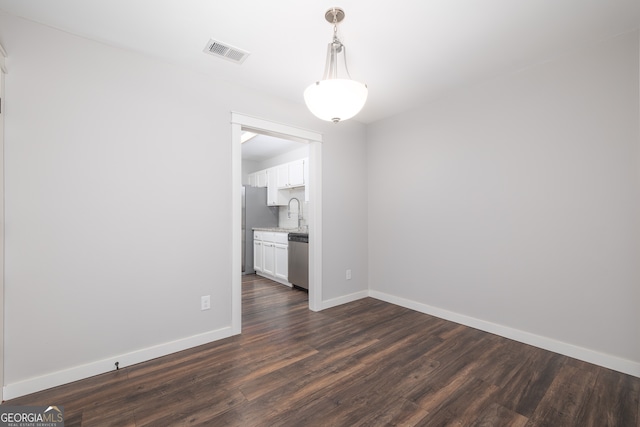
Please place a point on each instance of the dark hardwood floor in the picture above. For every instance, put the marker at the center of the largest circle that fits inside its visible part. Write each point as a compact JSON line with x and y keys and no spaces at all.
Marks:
{"x":367,"y":363}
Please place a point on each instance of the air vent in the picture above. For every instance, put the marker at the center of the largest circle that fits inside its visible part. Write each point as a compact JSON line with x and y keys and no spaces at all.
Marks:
{"x":225,"y":51}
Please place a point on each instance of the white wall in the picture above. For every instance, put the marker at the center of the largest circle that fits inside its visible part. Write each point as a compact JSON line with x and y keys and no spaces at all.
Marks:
{"x":295,"y":154}
{"x":514,"y":205}
{"x":248,"y":166}
{"x":118,"y":171}
{"x":345,"y":211}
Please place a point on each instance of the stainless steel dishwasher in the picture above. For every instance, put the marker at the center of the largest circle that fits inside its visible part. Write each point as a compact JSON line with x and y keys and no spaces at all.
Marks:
{"x":299,"y":260}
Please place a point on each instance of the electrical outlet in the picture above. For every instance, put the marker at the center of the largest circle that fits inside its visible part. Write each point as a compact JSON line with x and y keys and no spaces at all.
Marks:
{"x":349,"y":274}
{"x":205,"y":302}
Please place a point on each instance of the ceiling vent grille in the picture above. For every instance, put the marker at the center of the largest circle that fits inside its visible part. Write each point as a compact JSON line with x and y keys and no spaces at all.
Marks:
{"x":226,"y":51}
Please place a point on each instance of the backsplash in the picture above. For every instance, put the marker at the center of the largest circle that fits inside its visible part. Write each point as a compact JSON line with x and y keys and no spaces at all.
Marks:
{"x":283,"y":220}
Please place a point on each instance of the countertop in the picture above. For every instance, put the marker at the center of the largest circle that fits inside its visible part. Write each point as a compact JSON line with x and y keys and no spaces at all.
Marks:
{"x":282,"y":230}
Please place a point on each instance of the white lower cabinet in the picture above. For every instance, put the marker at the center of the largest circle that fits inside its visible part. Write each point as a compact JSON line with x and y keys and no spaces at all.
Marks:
{"x":257,"y":255}
{"x":281,"y":261}
{"x":271,"y":255}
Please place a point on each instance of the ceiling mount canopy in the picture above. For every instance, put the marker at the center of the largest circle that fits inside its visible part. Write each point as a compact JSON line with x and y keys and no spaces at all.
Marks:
{"x":334,"y":15}
{"x":335,"y":98}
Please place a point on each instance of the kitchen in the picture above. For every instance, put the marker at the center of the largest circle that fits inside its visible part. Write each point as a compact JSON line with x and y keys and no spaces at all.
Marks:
{"x":275,"y":196}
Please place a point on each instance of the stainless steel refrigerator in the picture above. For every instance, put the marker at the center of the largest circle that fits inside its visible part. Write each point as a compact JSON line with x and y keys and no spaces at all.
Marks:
{"x":255,"y":213}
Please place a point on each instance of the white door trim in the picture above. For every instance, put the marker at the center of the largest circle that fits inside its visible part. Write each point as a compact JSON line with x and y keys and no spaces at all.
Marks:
{"x":3,"y":55}
{"x":3,"y":71}
{"x":238,"y":121}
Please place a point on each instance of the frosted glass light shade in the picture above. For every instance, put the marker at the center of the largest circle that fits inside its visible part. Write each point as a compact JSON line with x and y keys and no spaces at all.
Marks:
{"x":335,"y":99}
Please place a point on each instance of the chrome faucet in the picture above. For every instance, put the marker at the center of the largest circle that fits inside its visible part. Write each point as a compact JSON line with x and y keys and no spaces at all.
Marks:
{"x":289,"y":209}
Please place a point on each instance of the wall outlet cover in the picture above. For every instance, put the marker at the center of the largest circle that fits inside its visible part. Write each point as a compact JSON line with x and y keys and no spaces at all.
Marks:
{"x":205,"y":302}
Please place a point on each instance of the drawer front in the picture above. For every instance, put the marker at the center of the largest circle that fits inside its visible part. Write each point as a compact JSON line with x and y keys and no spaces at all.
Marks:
{"x":267,"y":236}
{"x":271,"y":236}
{"x":282,"y":238}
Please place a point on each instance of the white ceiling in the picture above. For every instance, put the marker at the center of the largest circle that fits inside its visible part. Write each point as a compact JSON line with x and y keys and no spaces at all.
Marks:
{"x":408,"y":51}
{"x":263,"y":147}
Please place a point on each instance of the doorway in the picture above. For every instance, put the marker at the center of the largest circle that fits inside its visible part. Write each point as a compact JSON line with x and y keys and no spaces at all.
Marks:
{"x":239,"y":124}
{"x":275,"y":198}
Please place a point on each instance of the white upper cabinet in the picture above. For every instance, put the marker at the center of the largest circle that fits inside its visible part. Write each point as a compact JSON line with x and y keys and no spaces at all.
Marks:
{"x":296,"y":173}
{"x":306,"y":179}
{"x":283,"y":175}
{"x":261,"y":178}
{"x":279,"y":178}
{"x":291,"y":174}
{"x":272,"y":187}
{"x":258,"y":179}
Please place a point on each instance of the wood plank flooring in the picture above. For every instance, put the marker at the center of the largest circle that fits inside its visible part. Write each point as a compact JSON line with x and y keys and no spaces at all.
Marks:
{"x":367,"y":363}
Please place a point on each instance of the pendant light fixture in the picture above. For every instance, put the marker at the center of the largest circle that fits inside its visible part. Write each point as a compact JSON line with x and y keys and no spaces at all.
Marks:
{"x":335,"y":98}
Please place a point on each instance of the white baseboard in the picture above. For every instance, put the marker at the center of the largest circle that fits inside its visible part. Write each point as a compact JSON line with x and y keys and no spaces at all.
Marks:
{"x":32,"y":385}
{"x":344,"y":299}
{"x":55,"y":379}
{"x":601,"y":359}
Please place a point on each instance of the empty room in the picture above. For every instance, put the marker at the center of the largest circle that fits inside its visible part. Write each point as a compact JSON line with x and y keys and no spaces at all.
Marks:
{"x":212,"y":215}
